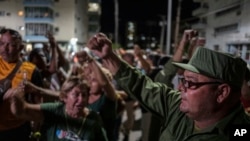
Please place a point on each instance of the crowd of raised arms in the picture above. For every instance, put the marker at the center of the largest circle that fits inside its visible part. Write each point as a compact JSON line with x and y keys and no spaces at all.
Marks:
{"x":197,"y":94}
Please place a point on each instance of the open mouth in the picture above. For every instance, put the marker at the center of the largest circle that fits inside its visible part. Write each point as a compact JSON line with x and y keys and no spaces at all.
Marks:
{"x":80,"y":106}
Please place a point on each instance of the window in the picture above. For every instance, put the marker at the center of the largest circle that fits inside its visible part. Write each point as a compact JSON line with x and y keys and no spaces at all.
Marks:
{"x":1,"y":27}
{"x":57,"y":14}
{"x":93,"y":28}
{"x":2,"y":13}
{"x":204,"y":5}
{"x":94,"y":18}
{"x":37,"y":29}
{"x":235,"y":8}
{"x":56,"y":29}
{"x":93,"y":7}
{"x":238,"y":13}
{"x":38,"y":12}
{"x":226,"y":29}
{"x":216,"y":47}
{"x":20,"y":13}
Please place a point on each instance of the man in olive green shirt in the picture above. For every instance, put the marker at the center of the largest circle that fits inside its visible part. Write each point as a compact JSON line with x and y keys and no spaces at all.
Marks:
{"x":207,"y":104}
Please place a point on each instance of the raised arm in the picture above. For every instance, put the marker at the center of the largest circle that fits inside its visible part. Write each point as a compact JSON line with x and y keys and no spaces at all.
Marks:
{"x":168,"y":72}
{"x":100,"y":75}
{"x":20,"y":108}
{"x":143,"y":62}
{"x":54,"y":59}
{"x":153,"y":96}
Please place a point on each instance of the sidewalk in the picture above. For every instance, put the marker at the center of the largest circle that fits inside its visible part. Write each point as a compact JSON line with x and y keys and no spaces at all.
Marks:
{"x":136,"y":132}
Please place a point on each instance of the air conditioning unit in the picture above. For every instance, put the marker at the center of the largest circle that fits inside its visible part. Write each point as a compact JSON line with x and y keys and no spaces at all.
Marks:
{"x":247,"y":35}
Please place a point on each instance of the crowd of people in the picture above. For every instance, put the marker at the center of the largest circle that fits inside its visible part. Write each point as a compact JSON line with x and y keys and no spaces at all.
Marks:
{"x":196,"y":94}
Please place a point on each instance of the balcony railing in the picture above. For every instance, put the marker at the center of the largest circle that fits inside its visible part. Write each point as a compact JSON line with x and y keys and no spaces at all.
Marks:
{"x":199,"y":25}
{"x":48,"y":3}
{"x":200,"y":11}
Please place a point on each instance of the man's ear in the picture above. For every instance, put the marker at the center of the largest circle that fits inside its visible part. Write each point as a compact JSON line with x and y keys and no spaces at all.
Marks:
{"x":223,"y":92}
{"x":21,"y":47}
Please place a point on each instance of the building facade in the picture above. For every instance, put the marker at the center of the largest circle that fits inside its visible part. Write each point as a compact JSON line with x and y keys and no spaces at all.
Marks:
{"x":226,"y":25}
{"x":71,"y":21}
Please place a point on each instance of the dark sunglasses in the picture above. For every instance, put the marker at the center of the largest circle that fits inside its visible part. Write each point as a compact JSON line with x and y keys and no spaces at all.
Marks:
{"x":12,"y":32}
{"x":194,"y":85}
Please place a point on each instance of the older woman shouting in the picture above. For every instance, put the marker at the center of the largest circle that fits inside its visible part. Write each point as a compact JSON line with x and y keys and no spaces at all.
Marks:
{"x":68,"y":119}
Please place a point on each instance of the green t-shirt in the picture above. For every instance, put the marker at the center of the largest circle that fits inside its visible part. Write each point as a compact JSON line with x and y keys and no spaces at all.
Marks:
{"x":58,"y":127}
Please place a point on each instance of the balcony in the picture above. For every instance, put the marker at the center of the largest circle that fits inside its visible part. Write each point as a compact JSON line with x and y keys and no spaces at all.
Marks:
{"x":201,"y":25}
{"x":94,"y":8}
{"x":200,"y":11}
{"x":35,"y":38}
{"x":39,"y":20}
{"x":41,"y":3}
{"x":198,"y":0}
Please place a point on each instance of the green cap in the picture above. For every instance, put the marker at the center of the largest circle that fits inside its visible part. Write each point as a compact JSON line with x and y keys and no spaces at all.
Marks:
{"x":217,"y":65}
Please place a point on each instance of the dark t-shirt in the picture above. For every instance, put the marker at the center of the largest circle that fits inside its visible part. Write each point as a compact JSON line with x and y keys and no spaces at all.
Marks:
{"x":107,"y":110}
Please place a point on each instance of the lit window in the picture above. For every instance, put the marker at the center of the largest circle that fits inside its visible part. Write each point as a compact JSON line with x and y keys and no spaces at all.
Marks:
{"x":93,"y":7}
{"x":20,"y":13}
{"x":46,"y":14}
{"x":21,"y":28}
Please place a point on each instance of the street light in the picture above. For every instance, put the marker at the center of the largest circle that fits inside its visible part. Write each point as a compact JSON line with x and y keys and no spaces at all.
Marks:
{"x":168,"y":41}
{"x":116,"y":21}
{"x":162,"y":23}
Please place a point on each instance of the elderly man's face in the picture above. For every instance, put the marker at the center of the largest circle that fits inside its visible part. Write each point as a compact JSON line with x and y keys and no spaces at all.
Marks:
{"x":198,"y":101}
{"x":10,"y":47}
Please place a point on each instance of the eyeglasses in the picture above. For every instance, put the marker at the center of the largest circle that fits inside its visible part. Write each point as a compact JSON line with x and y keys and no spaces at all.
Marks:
{"x":12,"y":32}
{"x":194,"y":85}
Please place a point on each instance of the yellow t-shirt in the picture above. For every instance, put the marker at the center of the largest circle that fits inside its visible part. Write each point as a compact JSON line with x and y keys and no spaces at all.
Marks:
{"x":7,"y":119}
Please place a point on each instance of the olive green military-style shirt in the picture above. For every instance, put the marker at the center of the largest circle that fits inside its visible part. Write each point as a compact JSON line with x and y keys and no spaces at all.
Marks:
{"x":166,"y":74}
{"x":164,"y":102}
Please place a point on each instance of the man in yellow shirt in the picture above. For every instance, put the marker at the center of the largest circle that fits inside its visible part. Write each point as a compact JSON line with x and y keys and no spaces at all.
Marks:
{"x":11,"y":127}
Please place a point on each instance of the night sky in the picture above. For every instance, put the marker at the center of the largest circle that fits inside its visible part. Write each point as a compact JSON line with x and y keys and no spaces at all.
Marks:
{"x":146,"y":13}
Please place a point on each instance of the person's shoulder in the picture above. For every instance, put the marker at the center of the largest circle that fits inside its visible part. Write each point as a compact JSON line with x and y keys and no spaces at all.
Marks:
{"x":28,"y":65}
{"x":92,"y":114}
{"x":52,"y":105}
{"x":94,"y":118}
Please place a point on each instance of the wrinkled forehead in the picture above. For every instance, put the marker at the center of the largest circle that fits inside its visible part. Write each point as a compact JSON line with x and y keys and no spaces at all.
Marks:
{"x":81,"y":88}
{"x":12,"y":33}
{"x":9,"y":40}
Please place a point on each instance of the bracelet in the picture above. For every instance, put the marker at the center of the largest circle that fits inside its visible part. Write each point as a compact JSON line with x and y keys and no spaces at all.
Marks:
{"x":89,"y":60}
{"x":118,"y":96}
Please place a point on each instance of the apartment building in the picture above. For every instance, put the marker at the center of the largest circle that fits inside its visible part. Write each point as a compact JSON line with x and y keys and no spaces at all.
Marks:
{"x":226,"y":25}
{"x":71,"y":21}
